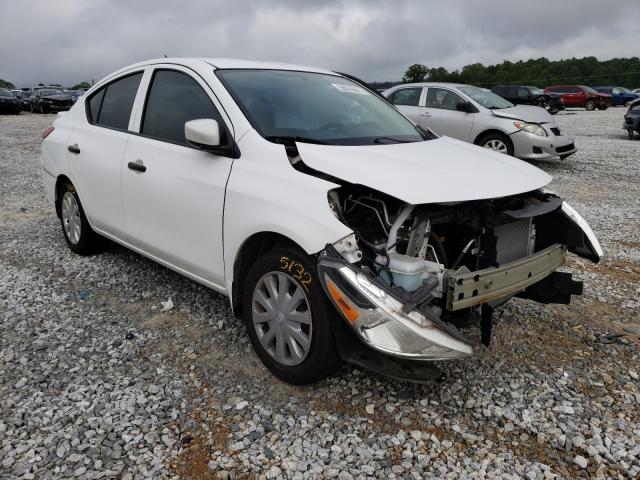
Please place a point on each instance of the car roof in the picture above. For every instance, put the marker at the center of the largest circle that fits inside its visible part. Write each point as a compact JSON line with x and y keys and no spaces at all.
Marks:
{"x":433,"y":84}
{"x":231,"y":63}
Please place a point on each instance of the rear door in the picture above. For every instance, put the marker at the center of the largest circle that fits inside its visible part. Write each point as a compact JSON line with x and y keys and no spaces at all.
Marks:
{"x":408,"y":101}
{"x":174,"y":204}
{"x":95,"y":150}
{"x":441,"y":115}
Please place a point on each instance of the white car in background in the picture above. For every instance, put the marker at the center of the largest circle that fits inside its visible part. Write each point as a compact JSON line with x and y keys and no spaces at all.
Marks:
{"x":477,"y":115}
{"x":338,"y":229}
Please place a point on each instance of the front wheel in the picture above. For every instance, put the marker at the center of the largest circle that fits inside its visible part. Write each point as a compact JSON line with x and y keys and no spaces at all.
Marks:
{"x":497,"y":142}
{"x":78,"y":234}
{"x":288,"y":318}
{"x":590,"y":105}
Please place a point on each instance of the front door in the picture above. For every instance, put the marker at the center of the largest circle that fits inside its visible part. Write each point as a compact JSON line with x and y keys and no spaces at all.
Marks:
{"x":441,"y":114}
{"x":173,"y":193}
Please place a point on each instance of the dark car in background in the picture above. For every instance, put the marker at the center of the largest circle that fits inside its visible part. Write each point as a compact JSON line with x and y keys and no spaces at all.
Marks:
{"x":632,"y":118}
{"x":581,"y":96}
{"x":47,"y":100}
{"x":619,"y":95}
{"x":23,"y":98}
{"x":8,"y":102}
{"x":529,"y":95}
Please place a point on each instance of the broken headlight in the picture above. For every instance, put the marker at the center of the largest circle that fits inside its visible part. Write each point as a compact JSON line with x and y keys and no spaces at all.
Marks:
{"x":378,"y":319}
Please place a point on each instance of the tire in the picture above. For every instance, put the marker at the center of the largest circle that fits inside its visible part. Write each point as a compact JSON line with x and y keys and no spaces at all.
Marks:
{"x":77,"y":232}
{"x":31,"y":108}
{"x":44,"y":109}
{"x":590,"y":105}
{"x":603,"y":107}
{"x":309,"y":317}
{"x":497,"y":142}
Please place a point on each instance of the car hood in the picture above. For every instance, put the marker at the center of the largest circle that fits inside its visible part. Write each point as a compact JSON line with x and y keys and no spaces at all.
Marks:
{"x":434,"y":171}
{"x":526,"y":113}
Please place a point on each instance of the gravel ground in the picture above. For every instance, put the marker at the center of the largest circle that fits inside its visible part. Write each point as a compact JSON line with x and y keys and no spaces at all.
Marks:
{"x":96,"y":382}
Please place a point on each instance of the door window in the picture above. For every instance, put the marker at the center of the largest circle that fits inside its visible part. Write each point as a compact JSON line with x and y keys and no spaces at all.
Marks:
{"x":441,"y":98}
{"x":173,"y":99}
{"x":523,"y":92}
{"x":111,"y":105}
{"x":406,"y":96}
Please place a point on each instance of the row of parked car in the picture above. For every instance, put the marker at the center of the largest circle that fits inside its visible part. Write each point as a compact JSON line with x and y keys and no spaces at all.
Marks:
{"x":507,"y":119}
{"x":38,"y":100}
{"x":558,"y":97}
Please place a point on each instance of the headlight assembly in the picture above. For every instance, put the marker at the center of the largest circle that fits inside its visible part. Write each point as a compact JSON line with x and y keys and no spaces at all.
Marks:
{"x":531,"y":128}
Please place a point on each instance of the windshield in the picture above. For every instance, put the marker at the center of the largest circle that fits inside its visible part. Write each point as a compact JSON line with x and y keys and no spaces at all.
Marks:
{"x":6,"y":93}
{"x":485,"y":98}
{"x":589,"y":90}
{"x":49,"y":91}
{"x":286,"y":105}
{"x":625,"y":90}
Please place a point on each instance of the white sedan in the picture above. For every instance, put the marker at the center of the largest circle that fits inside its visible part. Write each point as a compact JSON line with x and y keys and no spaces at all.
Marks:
{"x":338,"y":228}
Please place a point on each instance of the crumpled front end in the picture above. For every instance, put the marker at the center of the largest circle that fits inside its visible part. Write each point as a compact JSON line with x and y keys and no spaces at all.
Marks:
{"x":410,"y":273}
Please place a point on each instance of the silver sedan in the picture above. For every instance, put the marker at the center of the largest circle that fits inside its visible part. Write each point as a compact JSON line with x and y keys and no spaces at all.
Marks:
{"x":478,"y":116}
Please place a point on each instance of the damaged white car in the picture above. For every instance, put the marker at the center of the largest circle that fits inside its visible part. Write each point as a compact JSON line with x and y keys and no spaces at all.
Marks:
{"x":339,"y":229}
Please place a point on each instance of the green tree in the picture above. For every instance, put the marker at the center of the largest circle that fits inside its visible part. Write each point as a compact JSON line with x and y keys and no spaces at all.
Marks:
{"x":5,"y":84}
{"x":416,"y":73}
{"x":81,"y":86}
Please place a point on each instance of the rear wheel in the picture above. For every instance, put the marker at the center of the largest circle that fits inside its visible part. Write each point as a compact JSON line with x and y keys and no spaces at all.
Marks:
{"x":590,"y":105}
{"x":288,"y":317}
{"x":603,"y":107}
{"x":78,"y":234}
{"x":497,"y":142}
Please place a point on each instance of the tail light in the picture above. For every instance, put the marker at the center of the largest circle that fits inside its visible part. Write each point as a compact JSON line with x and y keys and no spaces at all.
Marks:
{"x":46,"y":133}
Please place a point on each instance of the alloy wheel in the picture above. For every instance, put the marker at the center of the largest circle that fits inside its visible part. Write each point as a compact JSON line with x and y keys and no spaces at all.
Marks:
{"x":282,"y":318}
{"x":496,"y":145}
{"x":71,"y":218}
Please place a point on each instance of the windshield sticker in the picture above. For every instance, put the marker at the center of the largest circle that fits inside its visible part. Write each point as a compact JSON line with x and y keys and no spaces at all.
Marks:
{"x":350,"y":89}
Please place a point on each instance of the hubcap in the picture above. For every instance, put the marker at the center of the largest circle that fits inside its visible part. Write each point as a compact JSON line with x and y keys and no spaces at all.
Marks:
{"x":71,"y":217}
{"x":496,"y":145}
{"x":282,"y":318}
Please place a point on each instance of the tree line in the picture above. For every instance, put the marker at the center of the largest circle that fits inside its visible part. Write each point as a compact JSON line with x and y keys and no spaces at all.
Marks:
{"x":540,"y":72}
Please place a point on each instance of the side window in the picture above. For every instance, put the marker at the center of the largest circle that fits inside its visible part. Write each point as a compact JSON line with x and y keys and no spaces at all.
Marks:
{"x":575,"y":90}
{"x":523,"y":92}
{"x":615,"y":91}
{"x":407,"y":96}
{"x":111,"y":106}
{"x":511,"y":92}
{"x":173,"y":99}
{"x":94,"y":104}
{"x":441,"y":98}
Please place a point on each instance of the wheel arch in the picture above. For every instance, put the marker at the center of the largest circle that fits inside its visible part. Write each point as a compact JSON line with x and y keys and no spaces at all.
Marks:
{"x":491,"y":131}
{"x":60,"y":182}
{"x":247,"y":254}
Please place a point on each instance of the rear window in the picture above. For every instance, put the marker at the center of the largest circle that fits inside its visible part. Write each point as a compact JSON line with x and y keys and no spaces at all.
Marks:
{"x":111,"y":105}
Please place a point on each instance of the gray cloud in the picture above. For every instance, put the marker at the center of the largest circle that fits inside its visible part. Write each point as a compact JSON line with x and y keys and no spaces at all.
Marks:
{"x":73,"y":40}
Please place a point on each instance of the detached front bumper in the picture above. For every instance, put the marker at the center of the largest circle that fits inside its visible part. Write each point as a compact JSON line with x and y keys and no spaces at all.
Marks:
{"x":528,"y":146}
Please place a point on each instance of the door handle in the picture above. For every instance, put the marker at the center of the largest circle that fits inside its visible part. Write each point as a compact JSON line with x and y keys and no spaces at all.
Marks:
{"x":138,"y":166}
{"x":74,"y":148}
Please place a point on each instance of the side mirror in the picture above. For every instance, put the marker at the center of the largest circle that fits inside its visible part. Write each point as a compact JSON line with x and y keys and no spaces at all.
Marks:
{"x":463,"y":107}
{"x":203,"y":133}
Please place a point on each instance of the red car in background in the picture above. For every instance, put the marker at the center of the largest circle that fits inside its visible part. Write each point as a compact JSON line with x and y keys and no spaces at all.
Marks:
{"x":581,"y":96}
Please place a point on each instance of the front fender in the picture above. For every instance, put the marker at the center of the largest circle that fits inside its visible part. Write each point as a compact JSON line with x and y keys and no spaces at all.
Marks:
{"x":266,"y":194}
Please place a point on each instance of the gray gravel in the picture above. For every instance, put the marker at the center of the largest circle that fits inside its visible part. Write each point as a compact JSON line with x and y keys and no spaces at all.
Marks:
{"x":96,"y":382}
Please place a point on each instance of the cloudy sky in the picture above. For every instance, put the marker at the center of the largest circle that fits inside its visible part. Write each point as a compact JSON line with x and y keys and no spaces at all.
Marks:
{"x":67,"y":41}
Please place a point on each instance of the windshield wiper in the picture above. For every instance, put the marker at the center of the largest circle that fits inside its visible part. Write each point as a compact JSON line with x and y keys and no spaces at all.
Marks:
{"x":290,"y":140}
{"x":384,"y":140}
